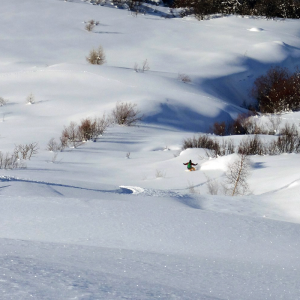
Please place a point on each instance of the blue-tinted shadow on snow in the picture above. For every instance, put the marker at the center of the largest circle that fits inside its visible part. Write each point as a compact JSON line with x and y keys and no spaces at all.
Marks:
{"x":184,"y":118}
{"x":51,"y":184}
{"x":235,"y":89}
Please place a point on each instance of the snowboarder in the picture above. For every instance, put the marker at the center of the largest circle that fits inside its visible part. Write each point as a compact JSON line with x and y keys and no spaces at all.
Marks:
{"x":190,"y":166}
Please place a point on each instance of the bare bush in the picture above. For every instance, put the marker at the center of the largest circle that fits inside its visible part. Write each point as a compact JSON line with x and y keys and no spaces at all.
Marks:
{"x":252,"y":145}
{"x":289,"y":140}
{"x":237,"y":175}
{"x":3,"y":101}
{"x":75,"y":135}
{"x":90,"y":129}
{"x":90,"y":25}
{"x":184,"y":78}
{"x":10,"y":161}
{"x":30,"y":99}
{"x":277,"y":91}
{"x":160,"y":174}
{"x":214,"y":147}
{"x":145,"y":67}
{"x":220,"y":128}
{"x":54,"y":146}
{"x":72,"y":136}
{"x":243,"y":124}
{"x":96,"y":56}
{"x":26,"y":151}
{"x":126,"y":113}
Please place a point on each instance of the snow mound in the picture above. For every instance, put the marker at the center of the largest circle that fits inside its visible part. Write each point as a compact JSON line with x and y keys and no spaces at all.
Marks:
{"x":219,"y":163}
{"x":273,"y":51}
{"x":134,"y":189}
{"x":255,"y":29}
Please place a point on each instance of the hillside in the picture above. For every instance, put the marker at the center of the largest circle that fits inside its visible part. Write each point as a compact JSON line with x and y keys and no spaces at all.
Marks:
{"x":120,"y":218}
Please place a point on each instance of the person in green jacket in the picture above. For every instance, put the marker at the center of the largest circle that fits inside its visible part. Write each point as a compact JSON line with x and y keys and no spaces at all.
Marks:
{"x":190,"y":166}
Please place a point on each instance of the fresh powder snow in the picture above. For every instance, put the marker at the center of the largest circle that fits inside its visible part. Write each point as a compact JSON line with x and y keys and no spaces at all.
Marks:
{"x":119,"y":218}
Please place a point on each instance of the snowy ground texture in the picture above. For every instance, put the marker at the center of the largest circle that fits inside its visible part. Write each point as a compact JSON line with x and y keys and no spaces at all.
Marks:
{"x":95,"y":224}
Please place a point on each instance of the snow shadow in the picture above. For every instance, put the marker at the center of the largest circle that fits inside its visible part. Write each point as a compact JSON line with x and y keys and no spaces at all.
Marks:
{"x":190,"y":202}
{"x":235,"y":89}
{"x":183,"y":118}
{"x":52,"y":185}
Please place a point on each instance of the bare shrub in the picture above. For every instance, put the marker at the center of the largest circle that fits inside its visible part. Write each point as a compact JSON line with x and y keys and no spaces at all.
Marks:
{"x":214,"y":148}
{"x":75,"y":135}
{"x":90,"y":25}
{"x":184,"y":78}
{"x":236,"y":176}
{"x":220,"y":128}
{"x":145,"y":67}
{"x":252,"y":145}
{"x":102,"y":123}
{"x":277,"y":91}
{"x":126,"y":113}
{"x":289,"y":140}
{"x":96,"y":56}
{"x":10,"y":161}
{"x":26,"y":151}
{"x":243,"y":124}
{"x":71,"y":136}
{"x":90,"y":129}
{"x":160,"y":174}
{"x":87,"y":129}
{"x":128,"y":155}
{"x":54,"y":146}
{"x":30,"y":99}
{"x":3,"y":101}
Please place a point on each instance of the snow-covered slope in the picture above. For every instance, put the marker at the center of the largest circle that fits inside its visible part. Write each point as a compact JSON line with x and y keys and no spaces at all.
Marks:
{"x":95,"y":224}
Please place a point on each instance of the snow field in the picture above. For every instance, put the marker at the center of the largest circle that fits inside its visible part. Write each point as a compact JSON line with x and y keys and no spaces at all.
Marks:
{"x":94,"y":224}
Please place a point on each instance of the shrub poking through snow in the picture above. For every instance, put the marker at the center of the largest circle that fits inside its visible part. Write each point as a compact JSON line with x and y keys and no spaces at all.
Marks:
{"x":75,"y":135}
{"x":126,"y":113}
{"x":213,"y":146}
{"x":26,"y":151}
{"x":3,"y":101}
{"x":90,"y":129}
{"x":10,"y":161}
{"x":184,"y":78}
{"x":96,"y":56}
{"x":90,"y":25}
{"x":30,"y":99}
{"x":277,"y":91}
{"x":145,"y":67}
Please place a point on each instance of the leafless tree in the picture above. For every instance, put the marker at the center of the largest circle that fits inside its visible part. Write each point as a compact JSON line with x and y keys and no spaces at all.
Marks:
{"x":237,"y":175}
